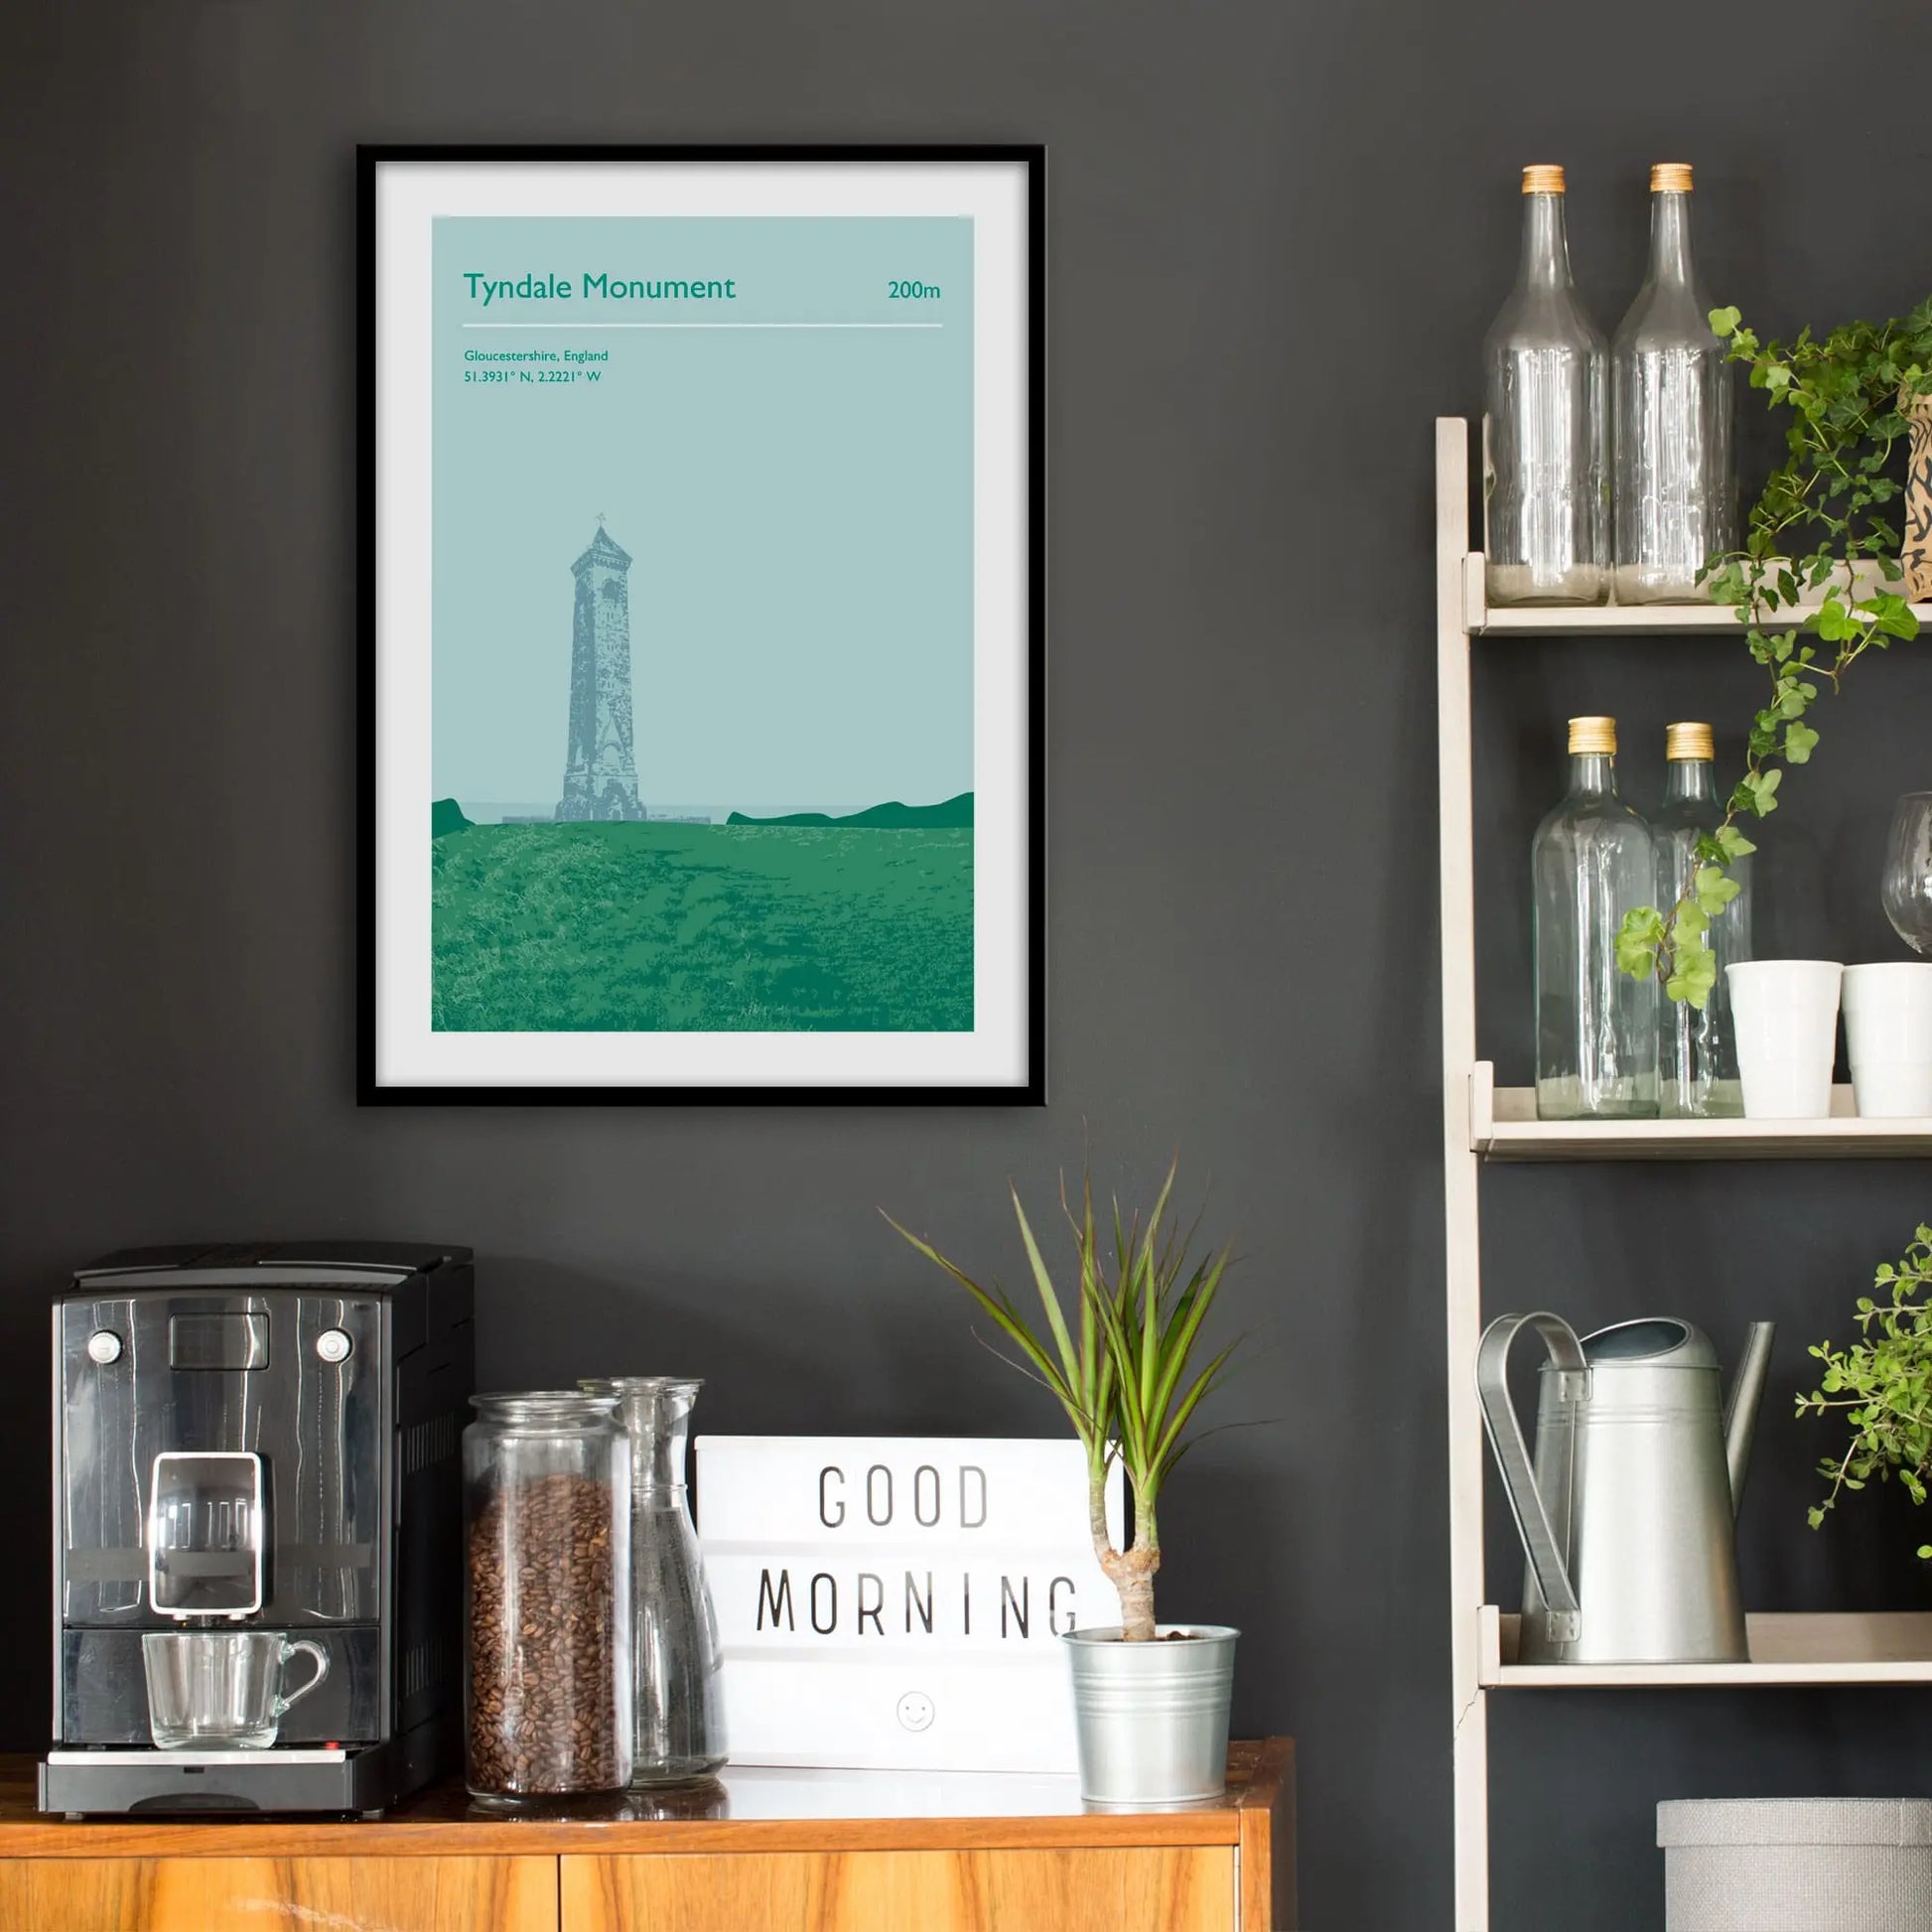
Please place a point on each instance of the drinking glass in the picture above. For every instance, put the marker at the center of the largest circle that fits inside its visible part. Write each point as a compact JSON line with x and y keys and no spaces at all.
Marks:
{"x":222,"y":1690}
{"x":1907,"y":887}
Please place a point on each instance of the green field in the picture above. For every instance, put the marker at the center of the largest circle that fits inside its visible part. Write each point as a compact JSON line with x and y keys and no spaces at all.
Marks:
{"x":702,"y":929}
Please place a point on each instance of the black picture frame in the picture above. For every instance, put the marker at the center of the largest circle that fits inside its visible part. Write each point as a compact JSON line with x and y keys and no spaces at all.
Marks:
{"x":1030,"y":1091}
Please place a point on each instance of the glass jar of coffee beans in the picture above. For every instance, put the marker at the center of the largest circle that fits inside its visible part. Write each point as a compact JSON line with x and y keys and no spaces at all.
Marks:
{"x":546,"y":1485}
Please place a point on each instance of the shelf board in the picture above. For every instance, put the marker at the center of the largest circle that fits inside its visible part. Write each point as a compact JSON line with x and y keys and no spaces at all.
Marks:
{"x":1503,"y":1127}
{"x":1483,"y":619}
{"x":1871,"y":1647}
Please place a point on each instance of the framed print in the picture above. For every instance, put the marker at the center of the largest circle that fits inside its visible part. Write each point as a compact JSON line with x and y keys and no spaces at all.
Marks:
{"x":702,"y":668}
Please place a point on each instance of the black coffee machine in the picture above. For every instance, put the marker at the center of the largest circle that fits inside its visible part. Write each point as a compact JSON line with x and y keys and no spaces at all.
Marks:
{"x":260,"y":1438}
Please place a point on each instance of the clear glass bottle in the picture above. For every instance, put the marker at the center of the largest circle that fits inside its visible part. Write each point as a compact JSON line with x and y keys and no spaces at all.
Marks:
{"x":1592,"y":862}
{"x":546,"y":1512}
{"x":1675,"y":487}
{"x":1545,"y":439}
{"x":1698,"y":1077}
{"x":676,"y":1661}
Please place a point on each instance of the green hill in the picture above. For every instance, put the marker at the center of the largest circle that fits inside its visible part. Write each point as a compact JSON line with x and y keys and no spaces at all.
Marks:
{"x":952,"y":815}
{"x":445,"y":815}
{"x":701,"y":928}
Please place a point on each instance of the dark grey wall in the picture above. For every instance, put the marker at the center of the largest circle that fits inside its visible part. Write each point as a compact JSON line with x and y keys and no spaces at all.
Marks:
{"x":1278,"y":232}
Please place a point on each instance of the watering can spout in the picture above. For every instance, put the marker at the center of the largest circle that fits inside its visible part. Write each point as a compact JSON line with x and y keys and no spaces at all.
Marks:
{"x":1740,"y":1409}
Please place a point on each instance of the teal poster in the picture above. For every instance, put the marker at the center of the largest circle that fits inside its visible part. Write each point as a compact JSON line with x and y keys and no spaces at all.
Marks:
{"x":701,"y":627}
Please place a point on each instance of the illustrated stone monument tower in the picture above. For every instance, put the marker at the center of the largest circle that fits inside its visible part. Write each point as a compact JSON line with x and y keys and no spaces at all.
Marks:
{"x":601,"y":771}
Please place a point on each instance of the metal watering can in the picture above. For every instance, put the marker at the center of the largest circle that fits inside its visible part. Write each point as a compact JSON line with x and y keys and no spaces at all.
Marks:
{"x":1630,"y":1514}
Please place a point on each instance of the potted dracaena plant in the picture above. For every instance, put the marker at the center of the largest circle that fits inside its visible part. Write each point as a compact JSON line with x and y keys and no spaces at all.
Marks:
{"x":1122,"y":1353}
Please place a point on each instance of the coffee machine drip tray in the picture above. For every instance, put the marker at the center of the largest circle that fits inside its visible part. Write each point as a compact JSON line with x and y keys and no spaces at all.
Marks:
{"x":359,"y":1778}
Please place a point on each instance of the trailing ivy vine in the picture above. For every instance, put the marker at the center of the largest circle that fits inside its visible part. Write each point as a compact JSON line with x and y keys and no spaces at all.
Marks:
{"x":1847,"y":394}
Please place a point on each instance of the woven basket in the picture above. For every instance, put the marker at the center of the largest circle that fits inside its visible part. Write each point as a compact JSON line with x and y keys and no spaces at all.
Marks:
{"x":1797,"y":1864}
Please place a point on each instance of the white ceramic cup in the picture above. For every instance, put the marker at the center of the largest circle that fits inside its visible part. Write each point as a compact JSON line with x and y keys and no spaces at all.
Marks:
{"x":1888,"y":1037}
{"x":1785,"y":1014}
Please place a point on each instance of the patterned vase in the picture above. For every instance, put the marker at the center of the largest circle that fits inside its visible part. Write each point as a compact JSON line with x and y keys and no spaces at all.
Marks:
{"x":1917,"y":557}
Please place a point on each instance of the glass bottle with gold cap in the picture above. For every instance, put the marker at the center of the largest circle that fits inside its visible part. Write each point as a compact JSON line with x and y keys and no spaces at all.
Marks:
{"x":1698,"y":1077}
{"x":1592,"y":862}
{"x":1545,"y":439}
{"x":1675,"y":487}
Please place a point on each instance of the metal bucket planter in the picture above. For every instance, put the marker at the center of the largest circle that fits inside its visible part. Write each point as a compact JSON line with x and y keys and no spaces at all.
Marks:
{"x":1152,"y":1717}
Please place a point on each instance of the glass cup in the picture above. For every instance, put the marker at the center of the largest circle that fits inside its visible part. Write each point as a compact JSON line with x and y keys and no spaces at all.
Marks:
{"x":222,"y":1690}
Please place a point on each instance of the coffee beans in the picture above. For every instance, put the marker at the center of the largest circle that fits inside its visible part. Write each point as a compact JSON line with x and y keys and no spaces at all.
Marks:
{"x":544,"y":1651}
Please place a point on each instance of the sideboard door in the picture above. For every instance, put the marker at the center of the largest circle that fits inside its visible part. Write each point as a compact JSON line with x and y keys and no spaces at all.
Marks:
{"x":1126,"y":1888}
{"x":375,"y":1894}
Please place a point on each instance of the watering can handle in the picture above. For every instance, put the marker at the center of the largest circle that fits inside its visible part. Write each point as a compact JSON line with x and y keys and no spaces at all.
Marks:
{"x":1541,"y":1543}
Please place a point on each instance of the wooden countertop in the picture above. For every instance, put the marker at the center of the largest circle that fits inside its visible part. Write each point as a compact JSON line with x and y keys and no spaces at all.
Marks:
{"x":749,"y":1809}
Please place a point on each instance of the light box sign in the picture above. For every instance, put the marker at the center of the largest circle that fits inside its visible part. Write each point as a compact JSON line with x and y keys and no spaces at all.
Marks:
{"x":897,"y":1602}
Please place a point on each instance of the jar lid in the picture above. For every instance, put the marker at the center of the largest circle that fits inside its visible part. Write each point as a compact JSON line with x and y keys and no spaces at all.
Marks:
{"x":545,"y":1406}
{"x":622,"y":1385}
{"x":1688,"y":741}
{"x":1593,"y":737}
{"x":1543,"y":177}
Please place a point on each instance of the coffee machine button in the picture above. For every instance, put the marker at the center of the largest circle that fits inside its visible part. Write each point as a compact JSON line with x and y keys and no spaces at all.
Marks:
{"x":103,"y":1347}
{"x":332,"y":1345}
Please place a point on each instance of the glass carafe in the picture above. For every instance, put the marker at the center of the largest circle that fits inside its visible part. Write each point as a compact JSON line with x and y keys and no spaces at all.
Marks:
{"x":1596,"y":1025}
{"x":1698,"y":1079}
{"x":1675,"y":491}
{"x":678,"y":1731}
{"x":1546,"y":442}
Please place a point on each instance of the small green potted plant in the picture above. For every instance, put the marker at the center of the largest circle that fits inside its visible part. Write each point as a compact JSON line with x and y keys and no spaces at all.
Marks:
{"x":1120,"y":1354}
{"x":1884,"y":1384}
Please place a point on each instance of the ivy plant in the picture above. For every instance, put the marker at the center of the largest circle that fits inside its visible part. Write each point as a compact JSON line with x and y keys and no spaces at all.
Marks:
{"x":1847,"y":393}
{"x":1884,"y":1384}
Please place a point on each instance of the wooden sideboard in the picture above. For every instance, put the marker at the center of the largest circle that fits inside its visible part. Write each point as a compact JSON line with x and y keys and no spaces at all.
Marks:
{"x":762,"y":1851}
